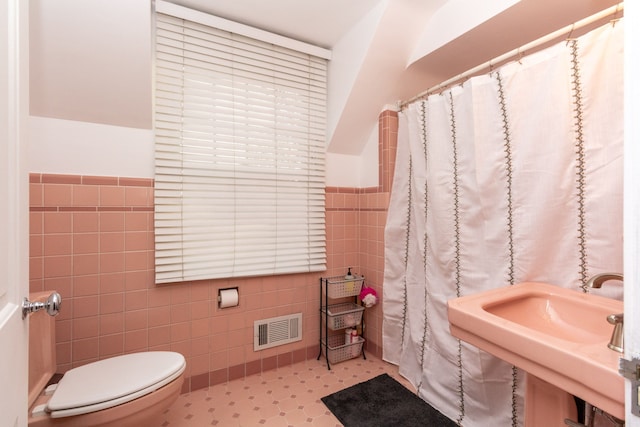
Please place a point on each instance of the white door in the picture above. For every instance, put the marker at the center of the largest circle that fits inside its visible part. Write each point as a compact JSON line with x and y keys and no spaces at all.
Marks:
{"x":631,"y":197}
{"x":14,"y":213}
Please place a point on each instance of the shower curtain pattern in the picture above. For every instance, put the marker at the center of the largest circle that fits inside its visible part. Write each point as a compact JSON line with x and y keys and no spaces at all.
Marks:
{"x":513,"y":176}
{"x":425,"y":314}
{"x":580,"y":163}
{"x":406,"y":257}
{"x":509,"y":212}
{"x":508,"y":163}
{"x":456,"y":256}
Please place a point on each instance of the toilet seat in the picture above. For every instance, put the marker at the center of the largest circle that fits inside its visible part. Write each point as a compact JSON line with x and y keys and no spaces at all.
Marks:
{"x":114,"y":381}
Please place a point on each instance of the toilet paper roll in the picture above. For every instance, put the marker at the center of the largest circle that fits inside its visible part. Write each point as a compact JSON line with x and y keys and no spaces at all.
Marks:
{"x":228,"y":298}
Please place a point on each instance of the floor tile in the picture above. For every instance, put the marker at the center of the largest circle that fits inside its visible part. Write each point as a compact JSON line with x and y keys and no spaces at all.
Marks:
{"x":285,"y":397}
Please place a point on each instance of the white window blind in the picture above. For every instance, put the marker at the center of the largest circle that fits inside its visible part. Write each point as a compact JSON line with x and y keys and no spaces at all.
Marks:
{"x":239,"y":155}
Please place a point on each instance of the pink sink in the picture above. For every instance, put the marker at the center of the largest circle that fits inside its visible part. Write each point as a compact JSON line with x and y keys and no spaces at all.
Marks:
{"x":558,"y":335}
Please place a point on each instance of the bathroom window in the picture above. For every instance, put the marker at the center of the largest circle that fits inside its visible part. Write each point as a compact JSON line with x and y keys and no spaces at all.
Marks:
{"x":239,"y":126}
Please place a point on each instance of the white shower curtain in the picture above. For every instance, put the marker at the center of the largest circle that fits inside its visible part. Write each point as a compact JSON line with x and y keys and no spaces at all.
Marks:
{"x":514,"y":176}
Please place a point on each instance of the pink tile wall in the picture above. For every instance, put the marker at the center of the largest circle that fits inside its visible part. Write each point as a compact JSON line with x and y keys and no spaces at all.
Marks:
{"x":388,"y":142}
{"x":91,"y":239}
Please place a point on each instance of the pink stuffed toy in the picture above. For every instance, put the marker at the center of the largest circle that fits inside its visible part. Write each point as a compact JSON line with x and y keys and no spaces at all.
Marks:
{"x":368,"y":296}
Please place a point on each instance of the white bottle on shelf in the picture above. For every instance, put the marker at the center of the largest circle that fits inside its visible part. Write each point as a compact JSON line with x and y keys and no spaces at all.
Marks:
{"x":348,"y":335}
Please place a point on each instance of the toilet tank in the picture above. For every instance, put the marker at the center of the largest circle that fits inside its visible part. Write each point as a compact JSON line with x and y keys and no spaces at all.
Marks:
{"x":42,"y":347}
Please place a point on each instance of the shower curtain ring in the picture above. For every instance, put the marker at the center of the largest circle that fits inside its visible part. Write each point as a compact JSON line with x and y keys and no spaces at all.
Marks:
{"x":616,"y":16}
{"x":570,"y":33}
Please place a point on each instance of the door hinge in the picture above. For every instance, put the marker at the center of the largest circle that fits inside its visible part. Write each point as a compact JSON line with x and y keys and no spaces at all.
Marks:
{"x":630,"y":369}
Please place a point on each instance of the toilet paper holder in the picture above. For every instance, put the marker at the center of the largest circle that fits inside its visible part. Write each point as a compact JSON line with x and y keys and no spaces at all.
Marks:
{"x":228,"y":297}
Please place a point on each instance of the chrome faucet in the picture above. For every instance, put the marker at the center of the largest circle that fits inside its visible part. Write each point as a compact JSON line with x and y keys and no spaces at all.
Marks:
{"x":617,"y":320}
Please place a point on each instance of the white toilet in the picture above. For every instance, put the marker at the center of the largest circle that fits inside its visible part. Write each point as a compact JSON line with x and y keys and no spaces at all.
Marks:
{"x":127,"y":390}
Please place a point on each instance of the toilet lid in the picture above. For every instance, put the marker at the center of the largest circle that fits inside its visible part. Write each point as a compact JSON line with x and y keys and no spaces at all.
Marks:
{"x":114,"y":381}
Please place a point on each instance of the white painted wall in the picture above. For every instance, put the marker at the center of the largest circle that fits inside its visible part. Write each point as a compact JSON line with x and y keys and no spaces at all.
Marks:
{"x":341,"y":169}
{"x":369,"y":169}
{"x":81,"y":148}
{"x":361,"y":171}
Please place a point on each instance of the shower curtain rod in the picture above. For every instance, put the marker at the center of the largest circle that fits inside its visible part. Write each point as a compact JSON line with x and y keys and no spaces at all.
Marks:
{"x":515,"y":52}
